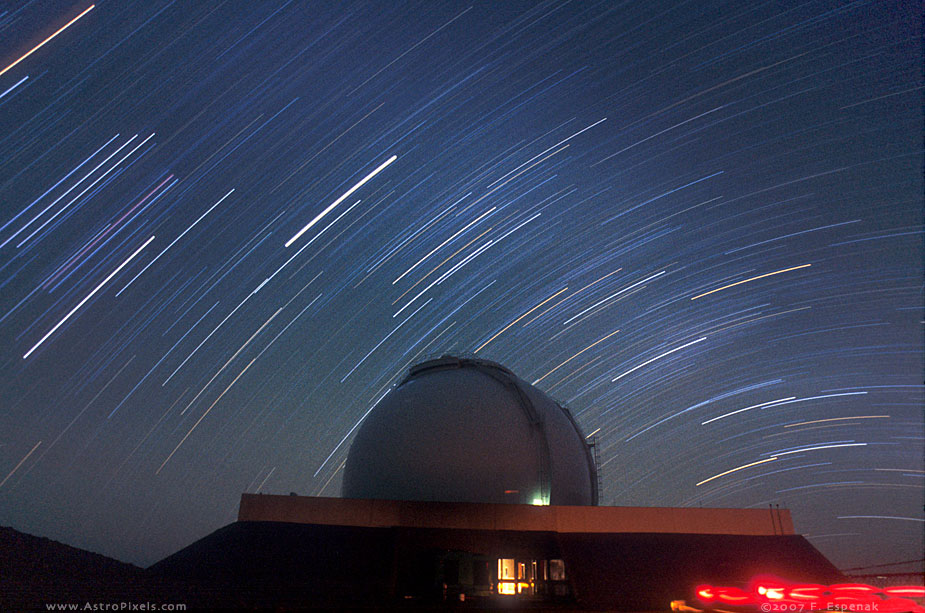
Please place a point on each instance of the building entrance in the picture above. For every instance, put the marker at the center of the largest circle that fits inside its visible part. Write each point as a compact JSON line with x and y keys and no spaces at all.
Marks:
{"x":531,"y":578}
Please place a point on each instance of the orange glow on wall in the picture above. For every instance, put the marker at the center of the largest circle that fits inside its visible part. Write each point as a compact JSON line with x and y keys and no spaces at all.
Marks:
{"x":507,"y":588}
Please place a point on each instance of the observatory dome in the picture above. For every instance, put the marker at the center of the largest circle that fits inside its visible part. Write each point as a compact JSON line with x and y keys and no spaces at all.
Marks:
{"x":469,"y":430}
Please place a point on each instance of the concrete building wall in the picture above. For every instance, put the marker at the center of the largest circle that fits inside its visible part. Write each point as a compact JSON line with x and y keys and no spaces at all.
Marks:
{"x":474,"y":516}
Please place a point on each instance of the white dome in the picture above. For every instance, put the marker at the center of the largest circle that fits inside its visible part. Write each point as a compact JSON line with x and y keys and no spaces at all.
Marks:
{"x":469,"y":430}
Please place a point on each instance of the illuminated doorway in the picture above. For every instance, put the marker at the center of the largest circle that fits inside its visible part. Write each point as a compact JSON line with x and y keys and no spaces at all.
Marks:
{"x":531,"y":578}
{"x":516,"y":577}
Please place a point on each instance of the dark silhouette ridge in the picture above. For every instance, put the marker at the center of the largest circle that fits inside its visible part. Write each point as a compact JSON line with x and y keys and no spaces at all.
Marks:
{"x":36,"y":570}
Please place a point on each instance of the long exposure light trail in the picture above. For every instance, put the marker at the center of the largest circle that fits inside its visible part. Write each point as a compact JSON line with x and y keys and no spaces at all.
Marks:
{"x":770,"y":274}
{"x":732,"y":470}
{"x":88,"y":296}
{"x":44,"y":42}
{"x":346,"y":195}
{"x":735,"y":212}
{"x":497,"y":334}
{"x":658,"y":357}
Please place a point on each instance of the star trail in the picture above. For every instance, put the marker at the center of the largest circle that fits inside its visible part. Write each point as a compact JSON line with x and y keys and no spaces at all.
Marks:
{"x":227,"y":229}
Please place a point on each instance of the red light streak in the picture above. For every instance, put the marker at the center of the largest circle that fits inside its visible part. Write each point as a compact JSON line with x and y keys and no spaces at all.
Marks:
{"x":764,"y":592}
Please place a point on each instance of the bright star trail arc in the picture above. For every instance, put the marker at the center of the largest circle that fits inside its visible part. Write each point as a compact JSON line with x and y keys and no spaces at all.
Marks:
{"x":44,"y":42}
{"x":698,"y":225}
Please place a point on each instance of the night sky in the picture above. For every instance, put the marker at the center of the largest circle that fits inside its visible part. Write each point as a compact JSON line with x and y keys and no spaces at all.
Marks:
{"x":226,"y":229}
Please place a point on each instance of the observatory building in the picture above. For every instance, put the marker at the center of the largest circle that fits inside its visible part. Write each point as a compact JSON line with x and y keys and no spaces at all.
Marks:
{"x":467,"y":430}
{"x":467,"y":486}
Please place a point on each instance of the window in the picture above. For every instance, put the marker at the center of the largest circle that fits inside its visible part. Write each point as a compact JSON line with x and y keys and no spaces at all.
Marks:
{"x":451,"y":572}
{"x":481,"y":572}
{"x":516,"y":576}
{"x":556,"y":570}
